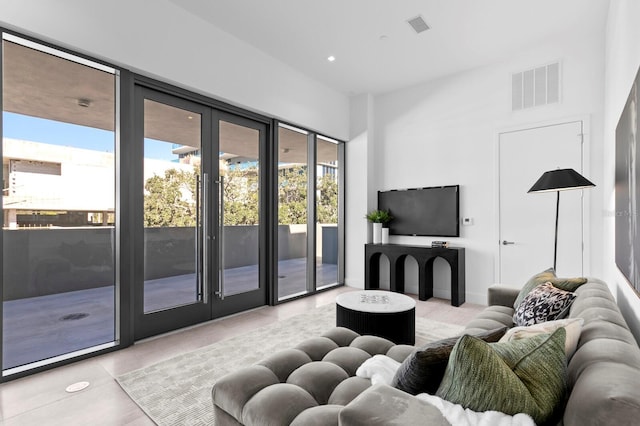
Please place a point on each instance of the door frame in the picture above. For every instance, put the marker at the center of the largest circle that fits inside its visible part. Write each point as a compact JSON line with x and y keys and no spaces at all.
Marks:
{"x":586,"y":198}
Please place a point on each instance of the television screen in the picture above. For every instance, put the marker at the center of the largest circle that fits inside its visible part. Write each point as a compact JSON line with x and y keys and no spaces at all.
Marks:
{"x":423,"y":211}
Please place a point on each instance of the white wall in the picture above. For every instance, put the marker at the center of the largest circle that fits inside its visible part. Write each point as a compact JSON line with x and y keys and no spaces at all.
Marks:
{"x":444,"y":132}
{"x":162,"y":40}
{"x":622,"y":62}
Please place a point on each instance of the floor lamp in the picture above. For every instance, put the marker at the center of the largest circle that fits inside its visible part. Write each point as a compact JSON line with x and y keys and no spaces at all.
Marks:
{"x":560,"y":180}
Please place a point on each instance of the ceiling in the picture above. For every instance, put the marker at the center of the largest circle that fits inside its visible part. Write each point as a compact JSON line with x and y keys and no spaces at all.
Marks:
{"x":42,"y":85}
{"x":377,"y":51}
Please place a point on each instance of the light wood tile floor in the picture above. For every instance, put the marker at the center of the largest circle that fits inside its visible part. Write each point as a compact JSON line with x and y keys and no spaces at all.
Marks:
{"x":41,"y":399}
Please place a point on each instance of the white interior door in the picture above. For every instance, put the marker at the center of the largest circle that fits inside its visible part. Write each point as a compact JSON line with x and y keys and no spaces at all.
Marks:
{"x":527,"y":221}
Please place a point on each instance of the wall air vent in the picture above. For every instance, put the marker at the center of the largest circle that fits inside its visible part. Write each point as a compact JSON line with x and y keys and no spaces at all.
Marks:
{"x":418,"y":24}
{"x":535,"y":87}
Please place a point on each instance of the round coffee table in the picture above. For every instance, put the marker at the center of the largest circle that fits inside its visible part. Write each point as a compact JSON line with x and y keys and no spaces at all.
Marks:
{"x":379,"y":313}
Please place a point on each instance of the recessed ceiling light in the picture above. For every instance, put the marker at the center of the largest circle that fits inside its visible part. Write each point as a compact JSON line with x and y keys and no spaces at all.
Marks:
{"x":331,"y":58}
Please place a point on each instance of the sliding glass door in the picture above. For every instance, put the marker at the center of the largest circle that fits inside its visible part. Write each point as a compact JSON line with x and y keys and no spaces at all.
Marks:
{"x":58,"y":205}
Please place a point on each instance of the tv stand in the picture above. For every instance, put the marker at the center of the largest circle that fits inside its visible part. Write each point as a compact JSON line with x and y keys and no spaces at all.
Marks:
{"x":425,"y":256}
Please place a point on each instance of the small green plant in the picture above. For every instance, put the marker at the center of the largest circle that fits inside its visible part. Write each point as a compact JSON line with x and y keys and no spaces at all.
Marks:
{"x":379,"y":216}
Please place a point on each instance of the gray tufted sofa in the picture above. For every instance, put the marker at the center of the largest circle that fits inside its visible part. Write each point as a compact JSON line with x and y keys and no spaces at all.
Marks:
{"x":315,"y":383}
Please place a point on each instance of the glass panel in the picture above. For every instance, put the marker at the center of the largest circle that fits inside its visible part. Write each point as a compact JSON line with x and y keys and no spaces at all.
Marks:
{"x":58,"y":202}
{"x":171,"y":206}
{"x":326,"y":213}
{"x":292,"y":213}
{"x":240,"y":206}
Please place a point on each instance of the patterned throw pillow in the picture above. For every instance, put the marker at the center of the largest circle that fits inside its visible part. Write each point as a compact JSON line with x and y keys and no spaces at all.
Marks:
{"x":549,"y":275}
{"x":422,"y":371}
{"x":543,"y":303}
{"x":523,"y":376}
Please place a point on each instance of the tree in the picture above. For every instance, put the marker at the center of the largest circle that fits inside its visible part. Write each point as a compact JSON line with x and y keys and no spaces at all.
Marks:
{"x":292,"y":195}
{"x":327,"y":199}
{"x":170,"y":200}
{"x":241,"y":196}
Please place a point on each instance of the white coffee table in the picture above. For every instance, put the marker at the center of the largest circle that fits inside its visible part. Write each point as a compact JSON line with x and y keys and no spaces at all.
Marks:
{"x":379,"y":313}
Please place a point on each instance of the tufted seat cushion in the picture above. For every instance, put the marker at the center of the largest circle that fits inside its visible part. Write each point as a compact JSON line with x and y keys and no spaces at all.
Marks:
{"x":306,"y":385}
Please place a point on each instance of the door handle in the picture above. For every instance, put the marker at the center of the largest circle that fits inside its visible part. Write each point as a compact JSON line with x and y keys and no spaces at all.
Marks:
{"x":506,"y":243}
{"x":220,"y":292}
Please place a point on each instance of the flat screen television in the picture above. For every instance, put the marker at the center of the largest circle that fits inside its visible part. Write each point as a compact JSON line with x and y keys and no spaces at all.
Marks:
{"x":433,"y":211}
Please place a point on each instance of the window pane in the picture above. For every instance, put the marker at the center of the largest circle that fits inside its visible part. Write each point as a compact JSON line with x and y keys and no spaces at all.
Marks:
{"x":326,"y":213}
{"x":239,"y":173}
{"x":292,"y":213}
{"x":172,"y":189}
{"x":58,"y":203}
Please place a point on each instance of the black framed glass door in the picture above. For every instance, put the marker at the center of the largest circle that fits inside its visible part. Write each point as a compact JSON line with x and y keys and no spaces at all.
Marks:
{"x":198,"y":232}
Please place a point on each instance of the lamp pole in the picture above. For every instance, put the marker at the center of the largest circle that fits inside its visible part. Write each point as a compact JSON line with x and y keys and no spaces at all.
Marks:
{"x":555,"y":243}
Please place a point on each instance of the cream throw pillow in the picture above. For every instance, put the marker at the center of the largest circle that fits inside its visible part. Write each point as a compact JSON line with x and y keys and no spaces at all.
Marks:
{"x":572,"y":325}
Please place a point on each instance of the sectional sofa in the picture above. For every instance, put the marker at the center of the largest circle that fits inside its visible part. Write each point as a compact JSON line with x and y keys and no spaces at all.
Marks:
{"x":315,"y":383}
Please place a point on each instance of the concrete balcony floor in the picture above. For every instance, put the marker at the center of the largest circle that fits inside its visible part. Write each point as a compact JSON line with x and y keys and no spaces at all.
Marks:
{"x":42,"y":327}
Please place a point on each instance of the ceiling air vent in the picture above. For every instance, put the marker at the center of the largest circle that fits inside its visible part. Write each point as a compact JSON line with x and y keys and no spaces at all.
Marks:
{"x":418,"y":24}
{"x":535,"y":87}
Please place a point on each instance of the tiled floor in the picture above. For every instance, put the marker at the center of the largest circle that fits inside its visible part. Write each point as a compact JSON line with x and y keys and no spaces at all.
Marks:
{"x":41,"y":399}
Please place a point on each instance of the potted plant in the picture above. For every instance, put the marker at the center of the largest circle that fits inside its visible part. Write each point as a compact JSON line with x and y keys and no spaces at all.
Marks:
{"x":378,"y":218}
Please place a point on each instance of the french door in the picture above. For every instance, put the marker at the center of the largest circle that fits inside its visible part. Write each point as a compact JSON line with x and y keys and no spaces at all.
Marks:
{"x":198,"y":232}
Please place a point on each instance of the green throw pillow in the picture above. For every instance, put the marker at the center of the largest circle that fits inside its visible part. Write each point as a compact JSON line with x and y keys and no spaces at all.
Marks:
{"x":568,"y":284}
{"x":422,"y":371}
{"x":522,"y":376}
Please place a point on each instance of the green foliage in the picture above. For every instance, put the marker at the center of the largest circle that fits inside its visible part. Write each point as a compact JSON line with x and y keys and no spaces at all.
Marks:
{"x":379,"y":216}
{"x":292,"y":195}
{"x":241,"y":201}
{"x":169,"y":200}
{"x":327,"y":211}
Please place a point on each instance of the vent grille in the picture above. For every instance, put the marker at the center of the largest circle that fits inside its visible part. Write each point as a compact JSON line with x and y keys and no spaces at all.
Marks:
{"x":535,"y":87}
{"x":418,"y":24}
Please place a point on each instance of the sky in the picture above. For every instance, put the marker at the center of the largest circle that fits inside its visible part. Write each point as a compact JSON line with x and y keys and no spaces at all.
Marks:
{"x":18,"y":126}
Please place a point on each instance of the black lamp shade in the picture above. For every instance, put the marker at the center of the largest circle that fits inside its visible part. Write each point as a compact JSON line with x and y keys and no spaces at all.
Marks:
{"x":559,"y":180}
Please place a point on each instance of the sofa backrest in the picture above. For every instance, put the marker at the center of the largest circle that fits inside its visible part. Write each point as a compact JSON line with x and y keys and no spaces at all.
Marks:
{"x":604,"y":372}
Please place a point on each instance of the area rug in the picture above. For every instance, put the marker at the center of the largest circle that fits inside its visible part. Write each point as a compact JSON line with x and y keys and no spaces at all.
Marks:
{"x":177,"y":391}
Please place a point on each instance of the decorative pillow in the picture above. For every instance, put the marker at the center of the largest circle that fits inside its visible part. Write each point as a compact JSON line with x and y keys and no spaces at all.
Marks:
{"x":568,"y":284}
{"x":422,"y":371}
{"x":522,"y":376}
{"x":543,"y":303}
{"x":573,"y":327}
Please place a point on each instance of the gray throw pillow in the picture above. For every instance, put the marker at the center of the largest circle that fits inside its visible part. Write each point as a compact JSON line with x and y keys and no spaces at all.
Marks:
{"x":422,"y":371}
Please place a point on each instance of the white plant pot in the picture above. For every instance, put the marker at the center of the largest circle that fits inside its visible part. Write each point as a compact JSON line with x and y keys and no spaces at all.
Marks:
{"x":377,"y":233}
{"x":385,"y":235}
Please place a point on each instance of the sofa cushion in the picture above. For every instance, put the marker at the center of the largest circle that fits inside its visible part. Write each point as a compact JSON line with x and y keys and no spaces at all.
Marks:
{"x":544,"y":303}
{"x":382,"y":405}
{"x":279,"y":403}
{"x":523,"y":376}
{"x":322,"y":415}
{"x":549,"y":275}
{"x":422,"y":371}
{"x":319,"y":378}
